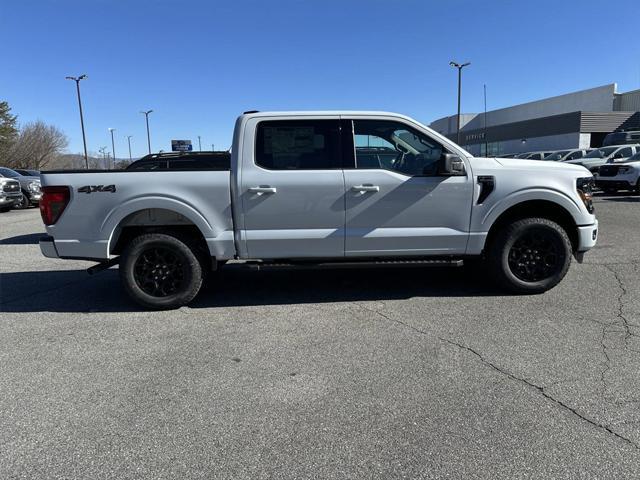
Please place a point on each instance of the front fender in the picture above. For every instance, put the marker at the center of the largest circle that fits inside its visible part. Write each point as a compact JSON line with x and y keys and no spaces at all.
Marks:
{"x":571,"y":205}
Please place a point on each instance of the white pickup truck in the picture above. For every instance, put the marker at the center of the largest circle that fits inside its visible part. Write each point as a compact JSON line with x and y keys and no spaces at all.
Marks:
{"x":323,"y":187}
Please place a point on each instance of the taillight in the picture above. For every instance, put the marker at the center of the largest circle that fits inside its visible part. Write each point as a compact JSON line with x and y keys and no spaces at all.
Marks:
{"x":53,"y":202}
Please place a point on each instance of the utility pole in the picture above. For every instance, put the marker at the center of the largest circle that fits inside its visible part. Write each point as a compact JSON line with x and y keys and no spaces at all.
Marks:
{"x":84,"y":139}
{"x":113,"y":147}
{"x":146,"y":115}
{"x":129,"y":142}
{"x":459,"y":67}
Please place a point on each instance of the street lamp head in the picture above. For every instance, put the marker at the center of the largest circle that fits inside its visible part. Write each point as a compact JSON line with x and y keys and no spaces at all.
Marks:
{"x":465,"y":64}
{"x":70,"y":78}
{"x":454,"y":64}
{"x":111,"y":129}
{"x":82,"y":77}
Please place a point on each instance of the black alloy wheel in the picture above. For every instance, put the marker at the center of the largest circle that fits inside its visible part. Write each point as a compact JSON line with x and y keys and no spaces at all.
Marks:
{"x":536,"y":255}
{"x":159,"y":272}
{"x":530,"y":255}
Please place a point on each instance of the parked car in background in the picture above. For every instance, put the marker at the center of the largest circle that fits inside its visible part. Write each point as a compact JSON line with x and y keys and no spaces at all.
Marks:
{"x":613,"y":177}
{"x":565,"y":155}
{"x":622,"y":138}
{"x":27,"y":173}
{"x":323,"y":187}
{"x":507,"y":155}
{"x":29,"y":188}
{"x":183,"y":161}
{"x":532,"y":155}
{"x":9,"y":193}
{"x":598,"y":157}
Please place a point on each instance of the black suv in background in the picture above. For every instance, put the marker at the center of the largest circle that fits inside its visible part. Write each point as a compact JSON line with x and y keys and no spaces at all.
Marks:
{"x":183,"y":161}
{"x":622,"y":138}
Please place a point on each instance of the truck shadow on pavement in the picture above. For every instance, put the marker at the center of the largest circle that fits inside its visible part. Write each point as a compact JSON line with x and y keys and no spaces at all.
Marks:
{"x":239,"y":286}
{"x":30,"y":239}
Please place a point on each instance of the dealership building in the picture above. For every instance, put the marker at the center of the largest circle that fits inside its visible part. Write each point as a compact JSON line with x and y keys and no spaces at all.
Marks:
{"x":574,"y":120}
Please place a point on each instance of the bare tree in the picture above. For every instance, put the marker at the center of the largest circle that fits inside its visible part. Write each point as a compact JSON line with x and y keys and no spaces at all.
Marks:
{"x":38,"y":145}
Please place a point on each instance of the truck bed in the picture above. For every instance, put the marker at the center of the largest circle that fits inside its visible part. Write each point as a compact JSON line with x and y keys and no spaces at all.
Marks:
{"x":102,"y":201}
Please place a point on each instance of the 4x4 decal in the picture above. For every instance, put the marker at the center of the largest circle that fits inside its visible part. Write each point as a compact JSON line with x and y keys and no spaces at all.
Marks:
{"x":97,"y":188}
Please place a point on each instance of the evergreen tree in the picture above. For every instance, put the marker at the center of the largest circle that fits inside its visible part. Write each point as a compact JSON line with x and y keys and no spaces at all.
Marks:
{"x":8,"y":130}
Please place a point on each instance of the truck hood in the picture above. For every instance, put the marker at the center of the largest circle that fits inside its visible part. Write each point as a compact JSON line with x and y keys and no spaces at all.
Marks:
{"x":541,"y":165}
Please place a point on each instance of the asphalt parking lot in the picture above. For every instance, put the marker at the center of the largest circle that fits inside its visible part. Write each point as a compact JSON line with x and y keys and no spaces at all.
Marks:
{"x":377,"y":373}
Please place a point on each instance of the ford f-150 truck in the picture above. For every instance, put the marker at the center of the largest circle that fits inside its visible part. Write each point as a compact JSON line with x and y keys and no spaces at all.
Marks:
{"x":323,"y":187}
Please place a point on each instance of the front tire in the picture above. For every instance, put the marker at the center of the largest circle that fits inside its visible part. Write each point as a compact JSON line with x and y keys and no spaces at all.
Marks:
{"x":530,"y":256}
{"x":23,"y":204}
{"x":160,"y":271}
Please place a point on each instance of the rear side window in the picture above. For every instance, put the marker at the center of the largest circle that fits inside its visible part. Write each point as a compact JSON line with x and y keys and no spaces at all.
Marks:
{"x":298,"y":145}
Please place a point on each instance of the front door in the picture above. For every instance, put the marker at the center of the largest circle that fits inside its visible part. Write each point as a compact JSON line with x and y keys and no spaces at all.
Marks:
{"x":396,"y":202}
{"x":292,"y":190}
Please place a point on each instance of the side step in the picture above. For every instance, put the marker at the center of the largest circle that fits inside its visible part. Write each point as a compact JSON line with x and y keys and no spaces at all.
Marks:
{"x":450,"y":262}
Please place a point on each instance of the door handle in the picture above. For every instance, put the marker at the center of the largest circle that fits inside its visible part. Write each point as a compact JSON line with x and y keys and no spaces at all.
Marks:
{"x":365,"y":188}
{"x":262,"y":189}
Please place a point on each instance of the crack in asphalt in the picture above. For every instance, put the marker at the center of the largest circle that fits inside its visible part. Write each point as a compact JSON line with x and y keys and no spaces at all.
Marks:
{"x":620,"y":313}
{"x":542,"y":391}
{"x":524,"y":381}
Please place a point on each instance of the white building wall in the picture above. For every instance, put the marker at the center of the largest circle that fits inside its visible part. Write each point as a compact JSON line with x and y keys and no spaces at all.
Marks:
{"x":598,"y":99}
{"x":551,"y":142}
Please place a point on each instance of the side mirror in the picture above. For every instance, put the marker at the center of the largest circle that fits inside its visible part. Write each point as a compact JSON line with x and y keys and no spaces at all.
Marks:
{"x":450,"y":164}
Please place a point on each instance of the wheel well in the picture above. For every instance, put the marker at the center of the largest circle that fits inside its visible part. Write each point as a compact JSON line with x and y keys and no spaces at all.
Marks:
{"x":158,"y":221}
{"x":540,"y":209}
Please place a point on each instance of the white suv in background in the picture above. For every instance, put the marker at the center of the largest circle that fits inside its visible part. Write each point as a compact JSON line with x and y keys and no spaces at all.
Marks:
{"x":620,"y":176}
{"x":600,"y":156}
{"x":566,"y":155}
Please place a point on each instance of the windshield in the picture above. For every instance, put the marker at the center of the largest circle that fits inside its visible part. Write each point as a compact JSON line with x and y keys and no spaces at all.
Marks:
{"x":7,"y":172}
{"x":556,"y":155}
{"x":601,"y":152}
{"x":633,"y":158}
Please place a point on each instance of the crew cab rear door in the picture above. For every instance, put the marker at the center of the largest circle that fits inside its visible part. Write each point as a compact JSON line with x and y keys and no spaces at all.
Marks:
{"x":396,"y":202}
{"x":292,"y":188}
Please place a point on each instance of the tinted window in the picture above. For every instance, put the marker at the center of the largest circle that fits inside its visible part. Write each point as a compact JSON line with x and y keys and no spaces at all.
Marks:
{"x":575,"y":155}
{"x":298,"y":145}
{"x":395,"y":146}
{"x":157,"y":164}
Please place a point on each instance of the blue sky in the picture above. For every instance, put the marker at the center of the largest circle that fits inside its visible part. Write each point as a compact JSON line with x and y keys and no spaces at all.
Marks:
{"x":198,"y":64}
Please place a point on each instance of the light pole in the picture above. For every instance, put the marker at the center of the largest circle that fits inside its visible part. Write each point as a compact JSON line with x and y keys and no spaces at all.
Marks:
{"x":129,"y":142}
{"x":199,"y":144}
{"x":103,"y":150}
{"x":146,"y":116}
{"x":113,"y":146}
{"x":84,"y":139}
{"x":486,"y":142}
{"x":459,"y":67}
{"x":213,"y":147}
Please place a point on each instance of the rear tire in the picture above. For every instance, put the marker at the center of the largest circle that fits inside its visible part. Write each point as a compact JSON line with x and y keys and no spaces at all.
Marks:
{"x":530,"y":256}
{"x":160,"y":271}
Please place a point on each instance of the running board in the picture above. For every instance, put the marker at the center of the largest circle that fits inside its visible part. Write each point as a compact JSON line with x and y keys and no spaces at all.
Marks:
{"x":256,"y":265}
